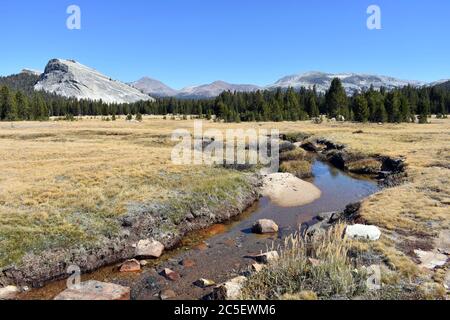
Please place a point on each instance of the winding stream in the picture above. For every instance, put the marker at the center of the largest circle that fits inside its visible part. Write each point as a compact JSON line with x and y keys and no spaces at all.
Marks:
{"x":219,"y":252}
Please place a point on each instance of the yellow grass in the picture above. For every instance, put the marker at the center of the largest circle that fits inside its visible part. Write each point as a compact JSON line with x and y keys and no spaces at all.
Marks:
{"x":65,"y":182}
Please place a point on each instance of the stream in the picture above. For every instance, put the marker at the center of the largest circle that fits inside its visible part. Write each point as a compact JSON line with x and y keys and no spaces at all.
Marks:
{"x":220,"y":252}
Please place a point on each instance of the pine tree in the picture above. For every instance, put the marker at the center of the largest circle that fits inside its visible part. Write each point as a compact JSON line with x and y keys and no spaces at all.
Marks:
{"x":360,"y":108}
{"x":313,"y":109}
{"x":336,"y":99}
{"x":8,"y":106}
{"x":423,"y":107}
{"x":392,"y":106}
{"x":23,"y":111}
{"x":405,"y":111}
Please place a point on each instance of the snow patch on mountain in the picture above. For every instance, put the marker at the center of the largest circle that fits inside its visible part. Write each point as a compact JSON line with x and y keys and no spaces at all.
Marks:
{"x":31,"y":72}
{"x":352,"y":82}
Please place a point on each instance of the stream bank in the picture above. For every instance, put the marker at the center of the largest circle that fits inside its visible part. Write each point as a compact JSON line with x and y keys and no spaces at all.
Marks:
{"x":224,"y":250}
{"x":230,"y":242}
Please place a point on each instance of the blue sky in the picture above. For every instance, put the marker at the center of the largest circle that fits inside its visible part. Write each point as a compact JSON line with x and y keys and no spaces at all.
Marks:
{"x":187,"y":42}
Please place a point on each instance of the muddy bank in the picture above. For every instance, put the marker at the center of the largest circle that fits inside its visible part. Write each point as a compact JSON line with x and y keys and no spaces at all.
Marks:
{"x":142,"y":221}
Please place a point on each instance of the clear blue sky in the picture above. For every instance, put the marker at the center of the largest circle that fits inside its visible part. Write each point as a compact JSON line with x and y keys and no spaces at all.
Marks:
{"x":185,"y":42}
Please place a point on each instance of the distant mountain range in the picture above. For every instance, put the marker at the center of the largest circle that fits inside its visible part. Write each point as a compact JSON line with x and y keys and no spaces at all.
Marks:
{"x":352,"y":82}
{"x":69,"y":78}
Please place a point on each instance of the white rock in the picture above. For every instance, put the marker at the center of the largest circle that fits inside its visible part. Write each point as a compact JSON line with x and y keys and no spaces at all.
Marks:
{"x":8,"y":293}
{"x":204,"y":283}
{"x":149,"y":248}
{"x":431,"y":260}
{"x":258,"y":267}
{"x":230,"y":290}
{"x":267,"y":257}
{"x":265,"y":226}
{"x":364,"y":232}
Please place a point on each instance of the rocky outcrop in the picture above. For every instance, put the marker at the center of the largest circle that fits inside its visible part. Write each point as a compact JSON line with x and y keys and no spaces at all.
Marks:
{"x":94,"y":290}
{"x":323,"y":221}
{"x":71,"y":79}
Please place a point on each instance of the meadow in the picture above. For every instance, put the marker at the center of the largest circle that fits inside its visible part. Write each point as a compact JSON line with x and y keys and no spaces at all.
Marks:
{"x":65,"y":183}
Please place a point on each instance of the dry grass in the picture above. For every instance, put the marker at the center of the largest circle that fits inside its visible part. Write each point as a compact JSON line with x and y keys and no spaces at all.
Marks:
{"x":295,"y":276}
{"x":65,"y":182}
{"x":299,"y":168}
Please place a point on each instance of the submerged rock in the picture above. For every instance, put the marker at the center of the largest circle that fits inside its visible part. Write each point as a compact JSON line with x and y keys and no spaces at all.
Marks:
{"x":95,"y":290}
{"x":170,"y":275}
{"x":167,"y":294}
{"x":130,"y":266}
{"x":364,"y":232}
{"x":265,"y":226}
{"x":149,"y":248}
{"x":188,"y":263}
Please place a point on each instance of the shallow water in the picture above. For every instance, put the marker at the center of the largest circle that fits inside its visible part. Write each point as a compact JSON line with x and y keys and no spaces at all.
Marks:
{"x":222,"y":250}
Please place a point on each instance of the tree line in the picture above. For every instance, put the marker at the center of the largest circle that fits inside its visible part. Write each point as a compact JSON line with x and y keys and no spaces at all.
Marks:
{"x":398,"y":105}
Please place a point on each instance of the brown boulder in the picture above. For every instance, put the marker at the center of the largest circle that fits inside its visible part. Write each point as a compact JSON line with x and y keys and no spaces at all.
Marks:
{"x":130,"y":266}
{"x":170,"y":275}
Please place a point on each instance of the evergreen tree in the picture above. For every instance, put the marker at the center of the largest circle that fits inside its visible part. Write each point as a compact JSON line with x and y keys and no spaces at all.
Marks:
{"x":423,"y":108}
{"x":336,"y":100}
{"x":23,"y":107}
{"x":405,"y":111}
{"x":360,"y":108}
{"x":392,"y":106}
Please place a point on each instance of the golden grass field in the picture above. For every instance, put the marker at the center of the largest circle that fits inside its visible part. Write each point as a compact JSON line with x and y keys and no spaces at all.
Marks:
{"x":62,"y":183}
